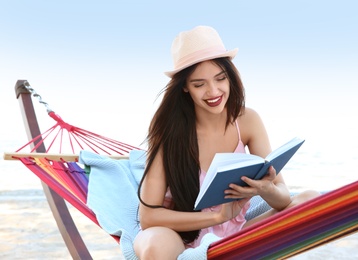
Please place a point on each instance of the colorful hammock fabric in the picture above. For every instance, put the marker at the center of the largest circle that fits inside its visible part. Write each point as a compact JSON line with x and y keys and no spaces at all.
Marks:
{"x":288,"y":233}
{"x":68,"y":179}
{"x":319,"y":221}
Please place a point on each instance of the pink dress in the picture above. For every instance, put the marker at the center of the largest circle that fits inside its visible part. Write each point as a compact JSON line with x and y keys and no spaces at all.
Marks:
{"x":226,"y":228}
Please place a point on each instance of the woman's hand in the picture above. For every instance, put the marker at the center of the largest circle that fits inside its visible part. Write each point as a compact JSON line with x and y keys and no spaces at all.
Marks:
{"x":231,"y":209}
{"x":256,"y":187}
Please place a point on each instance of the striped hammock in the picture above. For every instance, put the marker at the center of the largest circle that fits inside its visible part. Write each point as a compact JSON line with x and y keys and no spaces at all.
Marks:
{"x":328,"y":217}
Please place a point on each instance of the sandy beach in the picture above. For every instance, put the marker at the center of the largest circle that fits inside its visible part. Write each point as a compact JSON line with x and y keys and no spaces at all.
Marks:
{"x":28,"y":231}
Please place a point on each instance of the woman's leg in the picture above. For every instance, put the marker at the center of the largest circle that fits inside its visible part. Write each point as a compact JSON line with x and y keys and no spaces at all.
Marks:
{"x":296,"y":200}
{"x":158,"y":243}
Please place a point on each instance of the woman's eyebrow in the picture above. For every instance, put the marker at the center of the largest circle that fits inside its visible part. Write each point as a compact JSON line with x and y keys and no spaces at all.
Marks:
{"x":220,"y":73}
{"x":196,"y":80}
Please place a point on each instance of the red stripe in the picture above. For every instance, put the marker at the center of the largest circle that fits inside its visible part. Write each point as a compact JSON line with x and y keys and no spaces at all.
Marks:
{"x":282,"y":226}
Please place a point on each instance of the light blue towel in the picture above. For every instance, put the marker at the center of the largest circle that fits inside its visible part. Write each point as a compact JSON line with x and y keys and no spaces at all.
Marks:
{"x":112,"y":195}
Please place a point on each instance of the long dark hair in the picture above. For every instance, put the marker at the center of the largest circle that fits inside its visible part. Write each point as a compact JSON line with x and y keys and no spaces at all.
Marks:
{"x":173,"y":130}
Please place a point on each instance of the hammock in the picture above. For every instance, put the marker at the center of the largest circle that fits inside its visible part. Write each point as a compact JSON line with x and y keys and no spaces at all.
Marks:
{"x":288,"y":233}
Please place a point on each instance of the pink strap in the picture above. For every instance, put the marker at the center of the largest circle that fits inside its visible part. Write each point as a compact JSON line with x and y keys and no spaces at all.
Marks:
{"x":238,"y":129}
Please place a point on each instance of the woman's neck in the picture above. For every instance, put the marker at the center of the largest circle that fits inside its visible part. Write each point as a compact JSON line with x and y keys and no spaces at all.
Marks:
{"x":211,"y":122}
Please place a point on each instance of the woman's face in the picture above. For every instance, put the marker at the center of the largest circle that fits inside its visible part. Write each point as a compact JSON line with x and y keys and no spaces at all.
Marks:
{"x":209,"y":87}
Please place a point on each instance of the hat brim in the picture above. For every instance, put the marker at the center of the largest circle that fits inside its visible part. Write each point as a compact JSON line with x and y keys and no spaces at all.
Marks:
{"x":231,"y":54}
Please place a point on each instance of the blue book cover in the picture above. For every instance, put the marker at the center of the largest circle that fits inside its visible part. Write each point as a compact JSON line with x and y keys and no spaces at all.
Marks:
{"x":228,"y":168}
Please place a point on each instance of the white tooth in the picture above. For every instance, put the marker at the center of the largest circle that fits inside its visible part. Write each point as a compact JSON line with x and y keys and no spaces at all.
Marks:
{"x":213,"y":100}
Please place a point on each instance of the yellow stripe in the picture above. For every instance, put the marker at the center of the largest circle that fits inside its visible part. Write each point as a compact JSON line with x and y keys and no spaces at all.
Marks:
{"x":289,"y":221}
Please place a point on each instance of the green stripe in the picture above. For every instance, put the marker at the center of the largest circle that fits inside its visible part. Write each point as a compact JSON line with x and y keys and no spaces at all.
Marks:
{"x":303,"y":244}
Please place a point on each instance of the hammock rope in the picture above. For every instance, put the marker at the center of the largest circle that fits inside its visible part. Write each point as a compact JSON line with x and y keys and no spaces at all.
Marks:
{"x":76,"y":136}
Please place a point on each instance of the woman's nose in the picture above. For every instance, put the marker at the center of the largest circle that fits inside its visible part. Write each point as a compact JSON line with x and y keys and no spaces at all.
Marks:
{"x":212,"y":89}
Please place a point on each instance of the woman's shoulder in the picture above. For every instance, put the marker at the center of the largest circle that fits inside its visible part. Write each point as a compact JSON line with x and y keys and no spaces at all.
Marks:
{"x":249,"y":114}
{"x":250,"y":124}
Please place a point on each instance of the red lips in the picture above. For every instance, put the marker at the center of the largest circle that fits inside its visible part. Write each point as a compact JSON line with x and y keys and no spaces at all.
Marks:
{"x":214,"y":101}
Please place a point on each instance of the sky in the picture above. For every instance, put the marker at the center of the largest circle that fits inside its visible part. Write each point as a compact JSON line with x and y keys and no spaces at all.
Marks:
{"x":100,"y":64}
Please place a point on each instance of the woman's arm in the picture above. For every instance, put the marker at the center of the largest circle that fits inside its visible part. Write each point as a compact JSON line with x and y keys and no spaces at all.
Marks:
{"x":153,"y":193}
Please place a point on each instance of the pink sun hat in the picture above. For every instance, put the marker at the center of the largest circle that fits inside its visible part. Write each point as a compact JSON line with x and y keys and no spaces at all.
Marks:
{"x":199,"y":44}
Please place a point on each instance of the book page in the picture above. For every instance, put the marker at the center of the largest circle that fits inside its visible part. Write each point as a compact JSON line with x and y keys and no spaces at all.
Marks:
{"x":282,"y":149}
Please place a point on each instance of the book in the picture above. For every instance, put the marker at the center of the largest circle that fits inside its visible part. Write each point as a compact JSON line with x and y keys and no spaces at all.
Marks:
{"x":227,"y":168}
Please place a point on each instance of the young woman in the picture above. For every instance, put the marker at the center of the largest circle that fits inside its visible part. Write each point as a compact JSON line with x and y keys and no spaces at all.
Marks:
{"x":202,"y":113}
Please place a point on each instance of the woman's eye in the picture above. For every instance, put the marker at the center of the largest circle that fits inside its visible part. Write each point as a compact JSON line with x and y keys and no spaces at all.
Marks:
{"x":198,"y":85}
{"x":222,"y":78}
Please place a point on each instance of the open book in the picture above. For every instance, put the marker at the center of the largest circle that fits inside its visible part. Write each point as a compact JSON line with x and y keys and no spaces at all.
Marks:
{"x":228,"y":168}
